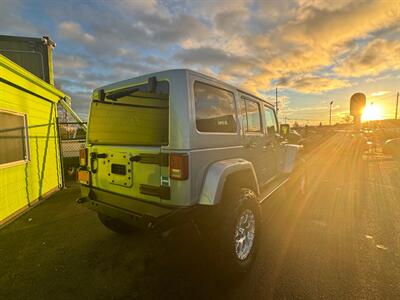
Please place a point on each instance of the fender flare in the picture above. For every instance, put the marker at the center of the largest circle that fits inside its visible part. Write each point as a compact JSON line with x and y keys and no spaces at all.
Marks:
{"x":217,"y":174}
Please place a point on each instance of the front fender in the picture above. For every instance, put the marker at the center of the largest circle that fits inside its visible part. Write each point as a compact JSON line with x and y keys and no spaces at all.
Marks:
{"x":216,"y":176}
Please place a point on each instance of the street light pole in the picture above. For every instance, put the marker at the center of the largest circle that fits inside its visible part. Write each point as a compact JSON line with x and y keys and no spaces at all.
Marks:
{"x":276,"y":101}
{"x":330,"y":113}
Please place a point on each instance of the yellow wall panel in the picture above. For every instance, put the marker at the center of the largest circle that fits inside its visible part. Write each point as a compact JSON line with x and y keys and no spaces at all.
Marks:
{"x":23,"y":183}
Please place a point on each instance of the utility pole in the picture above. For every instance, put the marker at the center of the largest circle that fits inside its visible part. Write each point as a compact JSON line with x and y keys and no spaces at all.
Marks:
{"x":330,"y":113}
{"x":276,"y":101}
{"x":397,"y":105}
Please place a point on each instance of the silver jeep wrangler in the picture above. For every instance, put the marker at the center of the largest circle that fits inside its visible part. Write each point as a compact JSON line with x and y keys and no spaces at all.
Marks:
{"x":177,"y":146}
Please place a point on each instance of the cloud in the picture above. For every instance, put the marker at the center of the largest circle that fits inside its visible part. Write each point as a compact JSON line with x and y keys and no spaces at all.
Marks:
{"x":311,"y":108}
{"x":313,"y":84}
{"x":81,"y":104}
{"x":69,"y":61}
{"x":73,"y":31}
{"x":309,"y":46}
{"x":123,"y":27}
{"x":12,"y":22}
{"x":208,"y":9}
{"x":231,"y":67}
{"x":249,"y":43}
{"x":223,"y":21}
{"x":312,"y":36}
{"x":379,"y":94}
{"x":284,"y":102}
{"x":376,"y":57}
{"x":205,"y":56}
{"x":148,"y":6}
{"x":324,"y":5}
{"x":321,"y":26}
{"x":175,"y":29}
{"x":316,"y":37}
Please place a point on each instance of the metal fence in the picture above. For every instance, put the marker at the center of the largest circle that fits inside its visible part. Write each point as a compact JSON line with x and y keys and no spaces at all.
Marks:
{"x":72,"y":135}
{"x":72,"y":138}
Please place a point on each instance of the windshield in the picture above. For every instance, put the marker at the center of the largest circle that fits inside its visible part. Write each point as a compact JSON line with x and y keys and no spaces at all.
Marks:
{"x":135,"y":115}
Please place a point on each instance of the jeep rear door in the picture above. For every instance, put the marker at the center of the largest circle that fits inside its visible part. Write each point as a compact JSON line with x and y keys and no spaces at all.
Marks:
{"x":127,"y":128}
{"x":253,"y":136}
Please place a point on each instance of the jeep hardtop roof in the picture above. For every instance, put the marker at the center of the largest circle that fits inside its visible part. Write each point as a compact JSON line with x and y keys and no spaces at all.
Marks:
{"x":168,"y":73}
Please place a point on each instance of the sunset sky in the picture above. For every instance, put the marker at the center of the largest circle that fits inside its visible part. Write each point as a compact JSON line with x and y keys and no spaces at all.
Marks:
{"x":314,"y":51}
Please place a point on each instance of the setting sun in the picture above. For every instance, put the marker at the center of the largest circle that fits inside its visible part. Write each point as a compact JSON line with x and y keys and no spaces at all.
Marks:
{"x":372,"y":112}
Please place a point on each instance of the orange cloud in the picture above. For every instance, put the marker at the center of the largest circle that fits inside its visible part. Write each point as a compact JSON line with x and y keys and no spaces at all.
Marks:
{"x":314,"y":37}
{"x":378,"y":56}
{"x":314,"y":84}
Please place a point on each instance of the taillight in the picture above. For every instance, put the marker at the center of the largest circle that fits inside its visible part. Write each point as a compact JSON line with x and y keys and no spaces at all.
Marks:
{"x":84,"y":176}
{"x":178,"y":166}
{"x":83,"y":153}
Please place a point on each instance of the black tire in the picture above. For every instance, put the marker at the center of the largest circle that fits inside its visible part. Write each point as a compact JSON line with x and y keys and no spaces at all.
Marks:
{"x":237,"y":203}
{"x":116,"y":225}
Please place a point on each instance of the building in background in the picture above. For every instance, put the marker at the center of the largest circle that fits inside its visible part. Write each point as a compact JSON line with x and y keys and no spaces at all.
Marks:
{"x":33,"y":54}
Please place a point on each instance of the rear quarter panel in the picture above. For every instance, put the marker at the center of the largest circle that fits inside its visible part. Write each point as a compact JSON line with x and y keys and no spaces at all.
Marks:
{"x":207,"y":148}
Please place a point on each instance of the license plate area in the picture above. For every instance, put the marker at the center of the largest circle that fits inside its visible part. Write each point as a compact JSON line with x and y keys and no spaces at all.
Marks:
{"x":120,"y":169}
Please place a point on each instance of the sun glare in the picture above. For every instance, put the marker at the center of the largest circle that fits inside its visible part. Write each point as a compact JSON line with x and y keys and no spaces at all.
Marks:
{"x":372,"y":112}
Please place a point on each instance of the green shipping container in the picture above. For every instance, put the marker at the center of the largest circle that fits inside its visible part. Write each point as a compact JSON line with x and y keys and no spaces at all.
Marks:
{"x":29,"y":146}
{"x":33,"y":54}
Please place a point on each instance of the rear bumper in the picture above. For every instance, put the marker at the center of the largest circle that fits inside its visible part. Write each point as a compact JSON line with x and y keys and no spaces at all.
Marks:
{"x":140,"y":213}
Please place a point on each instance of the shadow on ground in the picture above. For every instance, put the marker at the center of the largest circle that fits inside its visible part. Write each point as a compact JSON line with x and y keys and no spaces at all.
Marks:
{"x":60,"y":250}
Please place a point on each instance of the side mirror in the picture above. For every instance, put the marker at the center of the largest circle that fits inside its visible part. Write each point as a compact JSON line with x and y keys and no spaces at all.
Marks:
{"x":284,"y":130}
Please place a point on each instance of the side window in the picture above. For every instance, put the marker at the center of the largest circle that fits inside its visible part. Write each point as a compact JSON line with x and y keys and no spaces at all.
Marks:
{"x":250,"y":114}
{"x":215,"y":109}
{"x":270,"y":120}
{"x":13,"y":137}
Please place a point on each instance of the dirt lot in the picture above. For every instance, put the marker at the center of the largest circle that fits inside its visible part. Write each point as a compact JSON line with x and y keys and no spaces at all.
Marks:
{"x":341,"y":242}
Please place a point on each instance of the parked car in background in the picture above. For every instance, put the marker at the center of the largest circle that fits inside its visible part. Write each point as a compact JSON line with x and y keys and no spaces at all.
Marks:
{"x":177,"y":145}
{"x":294,"y":137}
{"x":392,"y":147}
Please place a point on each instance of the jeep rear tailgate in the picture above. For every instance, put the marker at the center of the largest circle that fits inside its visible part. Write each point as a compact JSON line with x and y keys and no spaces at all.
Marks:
{"x":127,"y":128}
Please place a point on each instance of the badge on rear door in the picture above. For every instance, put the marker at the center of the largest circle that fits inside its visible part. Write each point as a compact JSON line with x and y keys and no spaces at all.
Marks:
{"x":118,"y":169}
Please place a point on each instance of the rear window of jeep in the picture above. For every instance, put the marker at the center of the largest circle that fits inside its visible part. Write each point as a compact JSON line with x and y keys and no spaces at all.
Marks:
{"x":215,"y":109}
{"x":136,"y":117}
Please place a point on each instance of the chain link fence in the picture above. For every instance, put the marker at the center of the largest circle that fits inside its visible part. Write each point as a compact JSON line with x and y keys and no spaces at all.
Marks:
{"x":72,"y":135}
